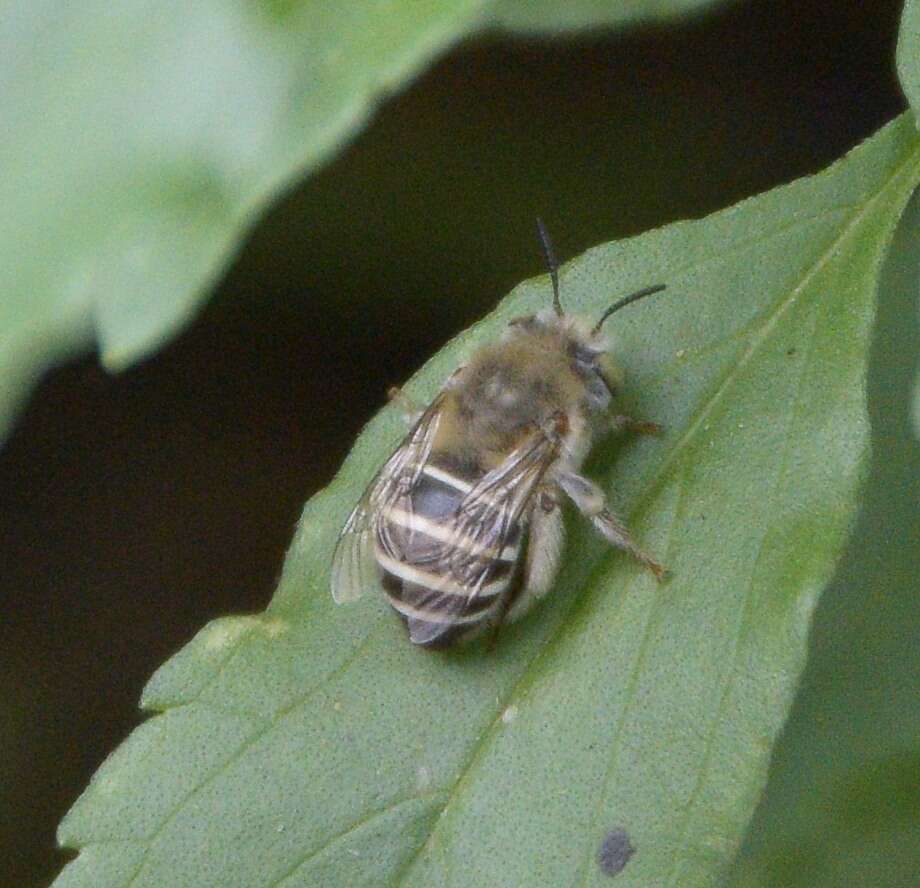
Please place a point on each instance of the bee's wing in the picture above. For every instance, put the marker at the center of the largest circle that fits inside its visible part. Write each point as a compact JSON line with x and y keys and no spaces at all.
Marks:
{"x":486,"y":518}
{"x":353,"y":570}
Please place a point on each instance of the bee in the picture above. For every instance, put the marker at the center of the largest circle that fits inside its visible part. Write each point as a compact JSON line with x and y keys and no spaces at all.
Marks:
{"x":462,"y":527}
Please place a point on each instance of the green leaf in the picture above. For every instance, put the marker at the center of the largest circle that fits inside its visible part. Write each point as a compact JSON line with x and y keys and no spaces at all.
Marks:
{"x":142,"y":140}
{"x":163,"y":133}
{"x":915,"y":407}
{"x":551,"y":15}
{"x":908,"y":57}
{"x":908,"y":54}
{"x":840,"y":806}
{"x":313,"y":745}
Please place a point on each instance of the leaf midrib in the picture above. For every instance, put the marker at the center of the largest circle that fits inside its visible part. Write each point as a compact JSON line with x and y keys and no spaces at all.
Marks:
{"x":743,"y":622}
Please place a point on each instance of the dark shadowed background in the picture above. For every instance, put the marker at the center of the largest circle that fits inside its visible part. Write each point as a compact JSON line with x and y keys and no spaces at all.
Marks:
{"x":135,"y":508}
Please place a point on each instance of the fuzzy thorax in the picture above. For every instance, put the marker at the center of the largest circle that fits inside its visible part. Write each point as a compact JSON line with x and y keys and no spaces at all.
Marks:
{"x":544,"y":365}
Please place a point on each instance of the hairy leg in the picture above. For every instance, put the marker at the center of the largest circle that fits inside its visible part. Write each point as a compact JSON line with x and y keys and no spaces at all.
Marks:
{"x":589,"y":499}
{"x":622,"y":423}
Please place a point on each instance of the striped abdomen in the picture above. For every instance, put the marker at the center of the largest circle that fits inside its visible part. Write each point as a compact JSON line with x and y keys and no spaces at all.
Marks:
{"x":443,"y":573}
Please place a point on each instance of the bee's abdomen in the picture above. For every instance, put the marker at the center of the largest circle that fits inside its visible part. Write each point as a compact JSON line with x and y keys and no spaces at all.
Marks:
{"x":432,"y":573}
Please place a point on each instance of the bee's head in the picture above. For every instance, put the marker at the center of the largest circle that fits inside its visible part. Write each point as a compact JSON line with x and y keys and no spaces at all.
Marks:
{"x":585,"y":345}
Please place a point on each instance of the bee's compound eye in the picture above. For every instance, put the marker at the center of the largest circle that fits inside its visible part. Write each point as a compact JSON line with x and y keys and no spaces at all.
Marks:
{"x":611,"y":372}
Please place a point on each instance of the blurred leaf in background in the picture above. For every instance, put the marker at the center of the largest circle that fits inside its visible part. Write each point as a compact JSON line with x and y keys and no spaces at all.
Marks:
{"x":141,"y":142}
{"x":909,"y":54}
{"x":551,"y":16}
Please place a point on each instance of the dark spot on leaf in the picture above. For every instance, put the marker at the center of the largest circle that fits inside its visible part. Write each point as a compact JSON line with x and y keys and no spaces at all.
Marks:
{"x":614,"y":852}
{"x":790,"y":352}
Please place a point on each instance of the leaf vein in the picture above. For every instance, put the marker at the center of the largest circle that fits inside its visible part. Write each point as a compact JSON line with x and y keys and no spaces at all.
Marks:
{"x":242,"y":750}
{"x":353,"y":827}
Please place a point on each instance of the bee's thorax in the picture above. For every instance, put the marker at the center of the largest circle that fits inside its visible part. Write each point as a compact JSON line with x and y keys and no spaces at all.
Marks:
{"x":520,"y":382}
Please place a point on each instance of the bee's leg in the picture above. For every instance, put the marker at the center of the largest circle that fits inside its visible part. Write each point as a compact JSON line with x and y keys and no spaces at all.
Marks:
{"x":589,"y":499}
{"x":411,"y":410}
{"x":622,"y":423}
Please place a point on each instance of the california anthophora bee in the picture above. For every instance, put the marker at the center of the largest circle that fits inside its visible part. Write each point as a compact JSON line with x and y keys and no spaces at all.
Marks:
{"x":462,"y":527}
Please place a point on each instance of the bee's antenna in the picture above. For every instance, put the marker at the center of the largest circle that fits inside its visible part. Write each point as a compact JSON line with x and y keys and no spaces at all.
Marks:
{"x":551,"y":263}
{"x":626,"y":300}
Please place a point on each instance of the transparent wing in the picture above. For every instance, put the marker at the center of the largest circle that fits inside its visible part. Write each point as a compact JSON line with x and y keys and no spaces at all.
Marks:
{"x":353,"y":569}
{"x":487,"y":518}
